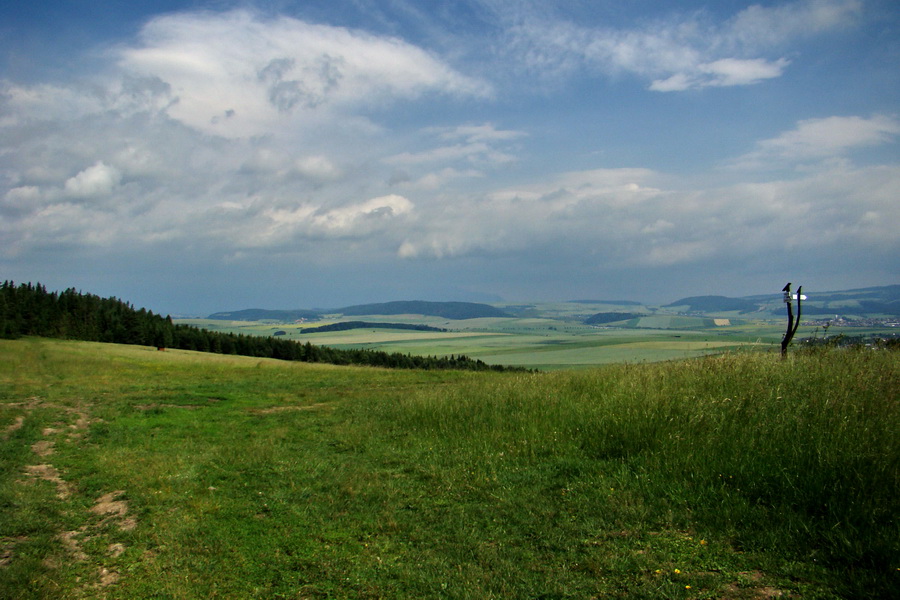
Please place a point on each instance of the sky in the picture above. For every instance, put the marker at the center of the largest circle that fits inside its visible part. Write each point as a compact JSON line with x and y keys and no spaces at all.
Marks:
{"x":194,"y":156}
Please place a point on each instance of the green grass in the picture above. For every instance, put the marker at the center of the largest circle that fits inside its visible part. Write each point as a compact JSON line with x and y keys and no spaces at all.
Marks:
{"x":738,"y":476}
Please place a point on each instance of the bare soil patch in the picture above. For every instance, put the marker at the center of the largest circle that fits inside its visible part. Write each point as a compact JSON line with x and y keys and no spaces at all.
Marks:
{"x":755,"y":590}
{"x":43,"y":448}
{"x":17,"y":424}
{"x":112,"y":509}
{"x":48,"y":472}
{"x":73,"y":545}
{"x":183,"y":406}
{"x":278,"y":409}
{"x":107,"y":577}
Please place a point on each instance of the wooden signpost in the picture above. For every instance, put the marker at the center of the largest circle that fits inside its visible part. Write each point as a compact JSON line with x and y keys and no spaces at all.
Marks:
{"x":793,"y":323}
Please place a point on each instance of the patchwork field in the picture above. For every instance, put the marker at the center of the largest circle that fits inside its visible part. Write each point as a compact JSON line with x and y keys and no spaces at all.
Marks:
{"x":555,"y":335}
{"x":539,"y":343}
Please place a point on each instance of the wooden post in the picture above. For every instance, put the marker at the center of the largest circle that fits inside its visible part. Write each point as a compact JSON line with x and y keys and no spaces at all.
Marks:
{"x":793,"y":324}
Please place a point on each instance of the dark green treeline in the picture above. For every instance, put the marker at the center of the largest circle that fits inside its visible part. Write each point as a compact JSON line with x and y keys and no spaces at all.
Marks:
{"x":30,"y":310}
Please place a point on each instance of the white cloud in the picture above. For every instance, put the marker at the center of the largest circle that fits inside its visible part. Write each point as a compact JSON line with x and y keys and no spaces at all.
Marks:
{"x":438,"y":179}
{"x":722,"y":73}
{"x":486,"y":132}
{"x":238,"y":74}
{"x":295,"y":226}
{"x":347,"y":218}
{"x":678,"y":82}
{"x":38,"y":102}
{"x":299,"y":170}
{"x":317,"y":168}
{"x":574,"y":209}
{"x":475,"y":153}
{"x":817,"y":139}
{"x":681,"y":52}
{"x":769,"y":26}
{"x":629,"y":217}
{"x":23,"y":195}
{"x":453,"y":154}
{"x":97,"y":180}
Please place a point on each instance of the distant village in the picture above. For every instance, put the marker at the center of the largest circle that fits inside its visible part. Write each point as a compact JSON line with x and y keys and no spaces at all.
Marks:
{"x":840,"y":321}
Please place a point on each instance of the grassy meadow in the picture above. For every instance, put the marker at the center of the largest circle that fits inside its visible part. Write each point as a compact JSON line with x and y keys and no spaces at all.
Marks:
{"x":132,"y":473}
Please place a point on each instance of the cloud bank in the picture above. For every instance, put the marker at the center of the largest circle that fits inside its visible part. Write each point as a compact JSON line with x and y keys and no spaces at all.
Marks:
{"x":232,"y":142}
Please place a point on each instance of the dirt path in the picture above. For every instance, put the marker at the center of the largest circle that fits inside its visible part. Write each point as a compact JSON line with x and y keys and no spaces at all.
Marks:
{"x":109,"y":509}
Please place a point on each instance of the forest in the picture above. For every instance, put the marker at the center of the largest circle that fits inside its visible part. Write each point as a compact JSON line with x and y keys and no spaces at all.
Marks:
{"x":30,"y":310}
{"x":348,"y":325}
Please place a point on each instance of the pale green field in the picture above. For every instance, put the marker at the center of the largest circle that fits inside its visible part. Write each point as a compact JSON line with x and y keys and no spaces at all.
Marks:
{"x":541,"y":342}
{"x":528,"y":342}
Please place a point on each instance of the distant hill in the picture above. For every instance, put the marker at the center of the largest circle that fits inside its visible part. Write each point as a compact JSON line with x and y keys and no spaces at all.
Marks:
{"x":863,"y":301}
{"x":880,"y":300}
{"x":708,"y":304}
{"x":613,"y":302}
{"x":259,"y":314}
{"x":610,"y":317}
{"x":447,"y":310}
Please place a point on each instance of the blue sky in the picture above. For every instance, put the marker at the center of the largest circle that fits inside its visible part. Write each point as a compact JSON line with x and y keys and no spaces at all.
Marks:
{"x":200,"y":156}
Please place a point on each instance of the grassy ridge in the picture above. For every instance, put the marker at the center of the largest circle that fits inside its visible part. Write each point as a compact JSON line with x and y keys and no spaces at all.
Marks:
{"x":736,"y":476}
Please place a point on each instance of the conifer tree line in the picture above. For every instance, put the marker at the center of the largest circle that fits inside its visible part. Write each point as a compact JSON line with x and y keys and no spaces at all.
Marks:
{"x":30,"y":310}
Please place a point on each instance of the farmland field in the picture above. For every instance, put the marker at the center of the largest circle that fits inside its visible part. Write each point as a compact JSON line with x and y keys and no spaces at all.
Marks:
{"x":540,"y":343}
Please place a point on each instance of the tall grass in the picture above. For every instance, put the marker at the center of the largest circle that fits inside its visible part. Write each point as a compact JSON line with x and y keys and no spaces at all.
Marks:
{"x":798,"y":457}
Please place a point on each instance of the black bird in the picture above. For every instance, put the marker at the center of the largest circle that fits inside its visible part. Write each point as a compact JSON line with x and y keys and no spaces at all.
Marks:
{"x":787,"y":288}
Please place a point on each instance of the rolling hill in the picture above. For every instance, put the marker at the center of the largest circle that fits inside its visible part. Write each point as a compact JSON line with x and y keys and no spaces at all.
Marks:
{"x":259,"y":314}
{"x":447,"y":310}
{"x":871,"y":301}
{"x":711,"y":304}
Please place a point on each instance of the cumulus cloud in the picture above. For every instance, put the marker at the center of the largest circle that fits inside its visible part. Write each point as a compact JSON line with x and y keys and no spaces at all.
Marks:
{"x":239,"y":74}
{"x":124,"y":156}
{"x":347,"y":219}
{"x":97,"y":180}
{"x":817,"y":139}
{"x":319,"y":169}
{"x":631,"y":217}
{"x":573,"y":209}
{"x":234,"y":135}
